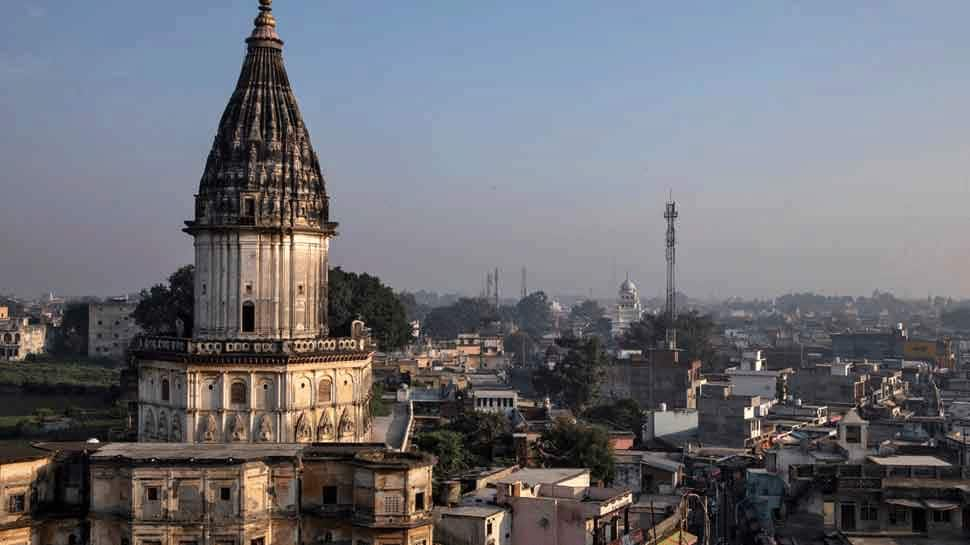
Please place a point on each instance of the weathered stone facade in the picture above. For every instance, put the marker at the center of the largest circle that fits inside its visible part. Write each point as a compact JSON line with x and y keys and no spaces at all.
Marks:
{"x":260,"y":367}
{"x":19,"y":338}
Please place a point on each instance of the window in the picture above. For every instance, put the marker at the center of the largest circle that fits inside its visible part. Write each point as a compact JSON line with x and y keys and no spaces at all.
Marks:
{"x":853,"y":434}
{"x":869,"y":512}
{"x":152,"y":493}
{"x":225,"y":493}
{"x":258,"y":541}
{"x":248,"y":317}
{"x":165,"y":392}
{"x":392,"y":504}
{"x":17,"y":503}
{"x":419,"y":501}
{"x":203,"y":288}
{"x":188,"y":543}
{"x":330,"y":495}
{"x":488,"y":528}
{"x":237,"y":393}
{"x":941,"y":516}
{"x":299,"y":289}
{"x":249,"y":207}
{"x":249,"y":289}
{"x":324,"y":391}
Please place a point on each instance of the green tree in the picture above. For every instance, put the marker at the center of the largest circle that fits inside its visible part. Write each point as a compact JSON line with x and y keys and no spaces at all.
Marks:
{"x":624,"y":415}
{"x":412,"y":308}
{"x":467,"y":315}
{"x":574,"y":444}
{"x":482,"y":433}
{"x":694,"y":333}
{"x":162,"y":307}
{"x":448,"y":447}
{"x":71,"y":338}
{"x":535,"y":314}
{"x":576,"y":379}
{"x":353,"y":295}
{"x":378,"y":407}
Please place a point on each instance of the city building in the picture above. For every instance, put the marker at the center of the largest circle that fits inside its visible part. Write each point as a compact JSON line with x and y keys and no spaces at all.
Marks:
{"x":753,"y":378}
{"x":472,"y":525}
{"x":260,"y":366}
{"x":659,"y":377}
{"x":628,"y":308}
{"x":872,"y":345}
{"x":111,"y":328}
{"x":19,"y":338}
{"x":672,"y":426}
{"x":836,"y":383}
{"x":726,"y":419}
{"x":502,"y":400}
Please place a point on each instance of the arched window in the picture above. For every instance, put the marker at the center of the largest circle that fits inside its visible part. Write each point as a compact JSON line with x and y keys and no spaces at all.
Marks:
{"x":165,"y":392}
{"x":248,"y":317}
{"x":237,"y":393}
{"x":325,"y":391}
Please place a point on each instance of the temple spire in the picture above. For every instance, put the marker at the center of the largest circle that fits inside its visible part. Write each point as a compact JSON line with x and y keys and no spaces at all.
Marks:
{"x":265,"y":24}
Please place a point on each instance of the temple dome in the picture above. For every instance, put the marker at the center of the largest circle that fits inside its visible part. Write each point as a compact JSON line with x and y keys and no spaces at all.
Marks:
{"x":262,"y":169}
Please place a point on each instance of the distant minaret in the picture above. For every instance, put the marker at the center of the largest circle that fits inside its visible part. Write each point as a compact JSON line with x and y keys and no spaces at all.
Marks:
{"x":670,"y":214}
{"x":525,"y":291}
{"x":496,"y":287}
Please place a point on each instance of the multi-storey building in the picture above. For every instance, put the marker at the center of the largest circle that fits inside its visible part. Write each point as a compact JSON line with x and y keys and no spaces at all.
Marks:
{"x":111,"y":328}
{"x":19,"y":338}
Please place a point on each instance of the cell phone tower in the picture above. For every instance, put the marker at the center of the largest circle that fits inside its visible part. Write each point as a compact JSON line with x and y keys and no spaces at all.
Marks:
{"x":670,"y":214}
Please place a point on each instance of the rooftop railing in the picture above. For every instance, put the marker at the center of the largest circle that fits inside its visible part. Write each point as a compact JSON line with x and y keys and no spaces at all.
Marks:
{"x":205,"y":347}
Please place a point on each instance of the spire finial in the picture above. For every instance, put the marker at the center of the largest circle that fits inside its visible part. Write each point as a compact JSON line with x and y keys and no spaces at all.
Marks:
{"x":265,"y":23}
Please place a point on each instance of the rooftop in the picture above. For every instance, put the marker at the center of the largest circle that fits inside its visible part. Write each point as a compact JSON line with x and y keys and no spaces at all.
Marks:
{"x":469,"y":511}
{"x":533,"y":476}
{"x":20,"y":451}
{"x":154,"y":452}
{"x":918,"y":461}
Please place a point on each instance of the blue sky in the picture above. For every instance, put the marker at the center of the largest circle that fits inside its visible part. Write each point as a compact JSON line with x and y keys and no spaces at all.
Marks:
{"x":810,"y":145}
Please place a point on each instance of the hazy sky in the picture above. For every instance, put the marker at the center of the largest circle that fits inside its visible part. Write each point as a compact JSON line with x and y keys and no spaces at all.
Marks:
{"x":810,"y":145}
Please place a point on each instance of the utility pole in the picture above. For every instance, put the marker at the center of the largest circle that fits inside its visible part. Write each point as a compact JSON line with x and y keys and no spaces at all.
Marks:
{"x":670,"y":214}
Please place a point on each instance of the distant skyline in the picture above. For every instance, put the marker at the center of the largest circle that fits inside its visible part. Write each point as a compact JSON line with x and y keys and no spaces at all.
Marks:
{"x":811,"y":146}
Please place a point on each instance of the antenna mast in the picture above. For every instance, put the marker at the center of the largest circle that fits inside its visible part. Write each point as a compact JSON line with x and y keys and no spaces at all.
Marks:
{"x":670,"y":214}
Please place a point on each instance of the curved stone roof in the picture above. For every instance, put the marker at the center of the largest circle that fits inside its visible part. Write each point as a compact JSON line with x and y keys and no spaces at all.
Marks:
{"x":262,"y":148}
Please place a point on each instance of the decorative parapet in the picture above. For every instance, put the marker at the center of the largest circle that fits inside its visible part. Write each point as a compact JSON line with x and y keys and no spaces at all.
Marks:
{"x":174,"y":346}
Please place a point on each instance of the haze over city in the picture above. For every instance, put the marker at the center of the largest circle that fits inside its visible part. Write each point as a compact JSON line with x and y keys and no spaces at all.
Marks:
{"x":809,"y":147}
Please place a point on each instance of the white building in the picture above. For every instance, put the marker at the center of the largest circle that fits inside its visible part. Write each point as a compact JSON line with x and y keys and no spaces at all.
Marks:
{"x":751,"y":378}
{"x":495,"y":400}
{"x":628,"y":308}
{"x":666,"y":423}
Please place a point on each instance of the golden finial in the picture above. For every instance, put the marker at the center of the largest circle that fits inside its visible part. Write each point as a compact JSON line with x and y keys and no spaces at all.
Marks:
{"x":265,"y":17}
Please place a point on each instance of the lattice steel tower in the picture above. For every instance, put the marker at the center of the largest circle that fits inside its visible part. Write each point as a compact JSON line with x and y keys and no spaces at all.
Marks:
{"x":670,"y":214}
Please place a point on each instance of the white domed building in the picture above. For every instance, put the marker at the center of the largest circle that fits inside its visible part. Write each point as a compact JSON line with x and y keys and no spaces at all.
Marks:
{"x":628,"y":308}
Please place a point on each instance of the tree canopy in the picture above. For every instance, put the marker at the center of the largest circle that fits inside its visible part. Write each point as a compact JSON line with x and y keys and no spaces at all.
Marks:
{"x":162,"y":307}
{"x":574,"y":444}
{"x":622,"y":415}
{"x":575,"y":380}
{"x":694,"y":332}
{"x":72,"y":337}
{"x":467,"y":315}
{"x":353,"y":295}
{"x":447,"y":446}
{"x":535,"y":314}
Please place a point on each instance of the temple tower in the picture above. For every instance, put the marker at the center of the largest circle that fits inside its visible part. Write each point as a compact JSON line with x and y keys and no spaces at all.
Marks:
{"x":260,"y":366}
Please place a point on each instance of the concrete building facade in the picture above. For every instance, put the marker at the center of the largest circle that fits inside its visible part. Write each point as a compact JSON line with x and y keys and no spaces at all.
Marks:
{"x":111,"y":328}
